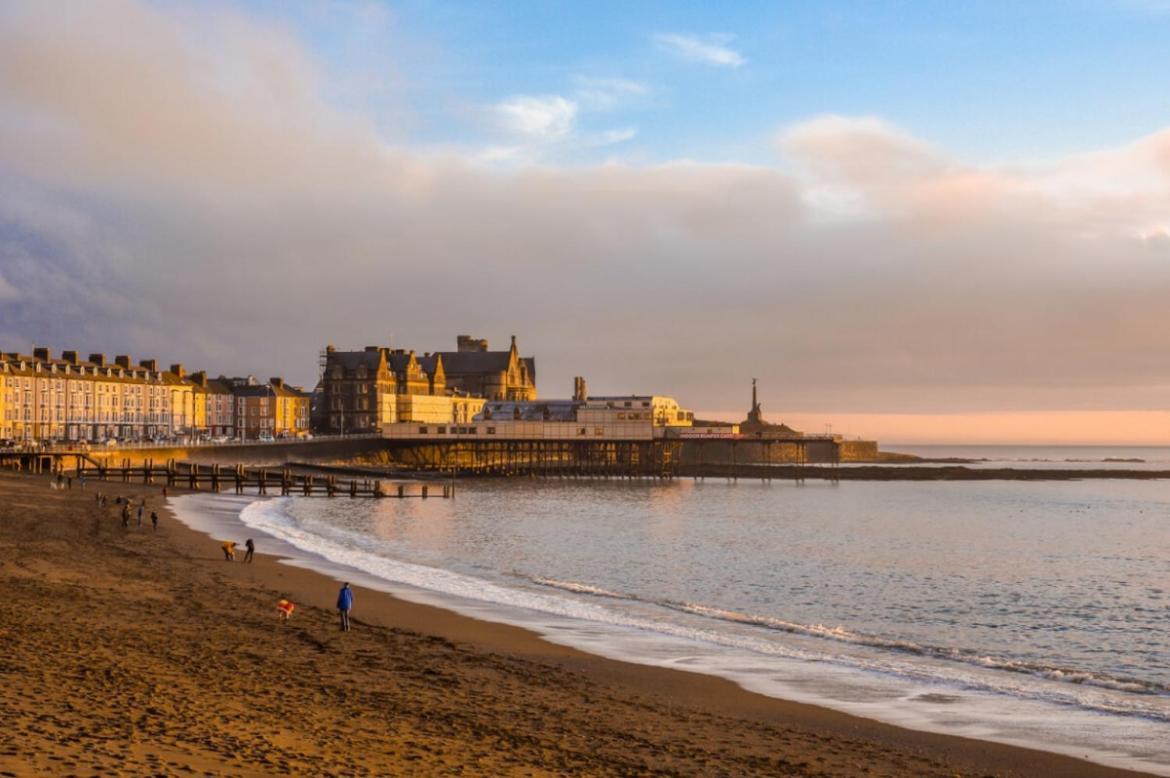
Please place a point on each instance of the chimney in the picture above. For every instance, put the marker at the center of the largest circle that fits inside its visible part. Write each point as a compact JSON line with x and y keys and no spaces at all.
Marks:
{"x":149,"y":364}
{"x":98,"y":359}
{"x":122,"y":360}
{"x":42,"y":353}
{"x":69,"y":356}
{"x":371,"y":348}
{"x":330,"y":349}
{"x":579,"y":390}
{"x":276,"y":381}
{"x":199,"y":378}
{"x":177,"y":369}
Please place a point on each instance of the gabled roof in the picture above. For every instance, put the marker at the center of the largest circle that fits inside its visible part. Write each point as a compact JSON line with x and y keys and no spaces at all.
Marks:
{"x":399,"y":361}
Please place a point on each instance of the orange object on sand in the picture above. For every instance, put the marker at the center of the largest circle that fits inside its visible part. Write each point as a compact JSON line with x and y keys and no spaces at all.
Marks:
{"x":285,"y":608}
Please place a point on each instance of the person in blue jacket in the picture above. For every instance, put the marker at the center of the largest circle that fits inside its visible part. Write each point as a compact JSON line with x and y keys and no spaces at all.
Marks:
{"x":344,"y":605}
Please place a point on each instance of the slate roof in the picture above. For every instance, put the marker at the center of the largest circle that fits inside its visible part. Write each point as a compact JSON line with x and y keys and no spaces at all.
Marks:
{"x":506,"y":410}
{"x":457,"y":363}
{"x":351,"y":360}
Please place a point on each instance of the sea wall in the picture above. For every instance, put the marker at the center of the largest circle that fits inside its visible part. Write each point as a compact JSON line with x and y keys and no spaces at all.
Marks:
{"x":722,"y":452}
{"x":859,"y":451}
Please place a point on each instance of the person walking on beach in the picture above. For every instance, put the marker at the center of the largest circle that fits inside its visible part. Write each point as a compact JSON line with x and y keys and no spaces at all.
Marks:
{"x":248,"y":544}
{"x":154,"y":520}
{"x":141,"y":510}
{"x":229,"y":550}
{"x":344,"y":605}
{"x":125,"y":514}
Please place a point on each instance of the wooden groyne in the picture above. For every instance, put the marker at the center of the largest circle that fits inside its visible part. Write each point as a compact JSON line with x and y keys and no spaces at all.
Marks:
{"x":241,"y":479}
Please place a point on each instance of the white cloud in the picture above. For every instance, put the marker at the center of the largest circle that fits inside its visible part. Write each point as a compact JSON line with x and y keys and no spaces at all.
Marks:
{"x":541,"y":118}
{"x":713,"y":51}
{"x":618,"y":135}
{"x":607,"y":94}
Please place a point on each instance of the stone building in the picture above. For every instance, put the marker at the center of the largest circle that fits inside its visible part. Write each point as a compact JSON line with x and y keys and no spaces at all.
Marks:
{"x":475,"y":371}
{"x":361,"y":391}
{"x":358,"y":390}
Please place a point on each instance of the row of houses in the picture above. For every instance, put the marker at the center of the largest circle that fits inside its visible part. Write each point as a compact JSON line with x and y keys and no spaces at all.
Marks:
{"x":45,"y":399}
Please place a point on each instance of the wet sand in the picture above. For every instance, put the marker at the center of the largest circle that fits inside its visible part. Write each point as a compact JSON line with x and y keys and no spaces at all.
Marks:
{"x":135,"y":652}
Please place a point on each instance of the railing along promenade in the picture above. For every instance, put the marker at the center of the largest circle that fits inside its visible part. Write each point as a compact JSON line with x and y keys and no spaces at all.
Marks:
{"x":70,"y":447}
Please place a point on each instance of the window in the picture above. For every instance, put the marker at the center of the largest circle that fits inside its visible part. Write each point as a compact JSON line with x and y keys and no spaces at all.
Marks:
{"x":580,"y":430}
{"x":441,"y":430}
{"x":599,"y":431}
{"x":629,"y":404}
{"x":491,"y":430}
{"x":621,"y":416}
{"x":422,"y":430}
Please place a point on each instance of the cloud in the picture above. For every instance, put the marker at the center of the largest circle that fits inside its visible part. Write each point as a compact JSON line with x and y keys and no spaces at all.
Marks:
{"x":542,"y":118}
{"x":608,"y":94}
{"x":713,"y":51}
{"x":610,"y":137}
{"x":178,"y":187}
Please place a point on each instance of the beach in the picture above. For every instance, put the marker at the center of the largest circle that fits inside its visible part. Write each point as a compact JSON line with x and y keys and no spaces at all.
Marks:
{"x":136,"y":652}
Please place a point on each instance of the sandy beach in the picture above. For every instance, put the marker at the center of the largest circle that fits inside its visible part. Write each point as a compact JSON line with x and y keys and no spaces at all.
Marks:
{"x":142,"y":652}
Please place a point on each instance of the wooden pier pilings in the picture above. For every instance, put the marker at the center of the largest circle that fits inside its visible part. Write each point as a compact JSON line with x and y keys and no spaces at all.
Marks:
{"x":241,"y":479}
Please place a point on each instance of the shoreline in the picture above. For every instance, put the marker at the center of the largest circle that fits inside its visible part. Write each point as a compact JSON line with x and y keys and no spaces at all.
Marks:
{"x":609,"y":698}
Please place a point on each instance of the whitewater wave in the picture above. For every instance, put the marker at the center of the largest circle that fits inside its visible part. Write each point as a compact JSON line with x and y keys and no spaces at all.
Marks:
{"x":842,"y":635}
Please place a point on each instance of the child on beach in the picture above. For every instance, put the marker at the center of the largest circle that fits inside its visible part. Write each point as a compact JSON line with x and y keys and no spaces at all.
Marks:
{"x":344,"y":606}
{"x":154,"y":519}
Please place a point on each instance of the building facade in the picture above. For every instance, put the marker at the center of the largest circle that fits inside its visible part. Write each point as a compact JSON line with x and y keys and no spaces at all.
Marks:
{"x":268,"y":411}
{"x":475,"y":371}
{"x":70,"y":399}
{"x":362,"y":391}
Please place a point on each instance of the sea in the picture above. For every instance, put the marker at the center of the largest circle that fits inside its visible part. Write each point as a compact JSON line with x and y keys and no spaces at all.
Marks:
{"x":1031,"y":613}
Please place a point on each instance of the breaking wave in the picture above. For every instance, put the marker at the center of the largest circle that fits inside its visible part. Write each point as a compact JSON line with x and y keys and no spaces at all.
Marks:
{"x":842,"y":635}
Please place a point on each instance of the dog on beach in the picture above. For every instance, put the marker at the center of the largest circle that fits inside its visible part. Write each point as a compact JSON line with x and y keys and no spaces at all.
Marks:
{"x":284,"y":610}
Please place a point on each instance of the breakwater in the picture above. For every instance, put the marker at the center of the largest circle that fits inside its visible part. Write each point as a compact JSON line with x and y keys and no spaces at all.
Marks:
{"x":909,"y":473}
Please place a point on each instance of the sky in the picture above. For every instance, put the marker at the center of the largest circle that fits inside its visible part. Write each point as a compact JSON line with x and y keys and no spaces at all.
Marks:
{"x":922,"y":222}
